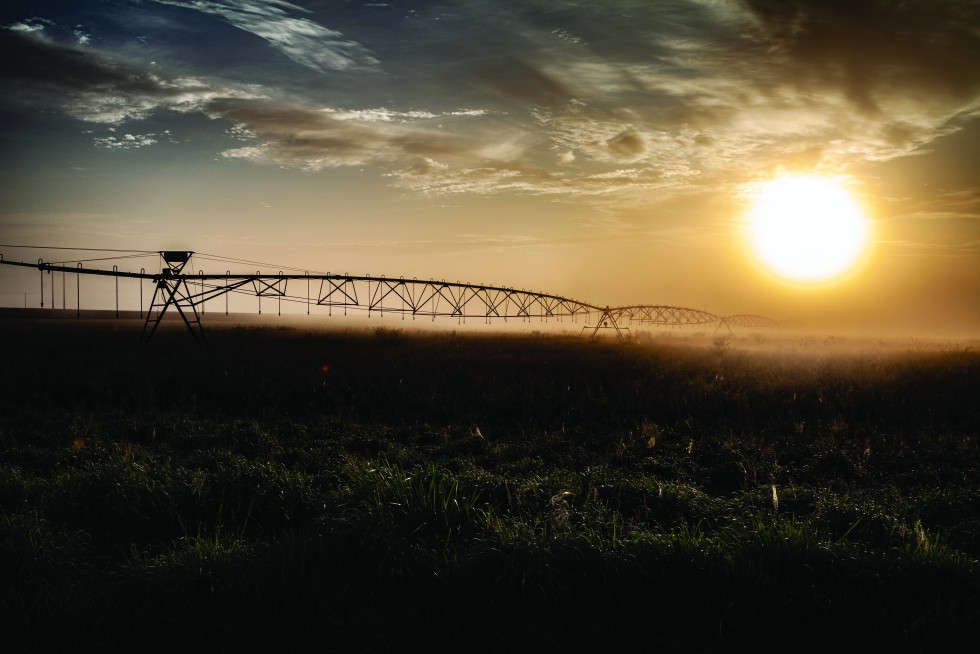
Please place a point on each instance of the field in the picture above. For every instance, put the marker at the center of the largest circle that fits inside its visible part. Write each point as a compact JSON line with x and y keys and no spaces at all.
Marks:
{"x":375,"y":490}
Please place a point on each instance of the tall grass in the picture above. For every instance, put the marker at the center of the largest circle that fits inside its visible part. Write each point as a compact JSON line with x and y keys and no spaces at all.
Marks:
{"x":350,"y":492}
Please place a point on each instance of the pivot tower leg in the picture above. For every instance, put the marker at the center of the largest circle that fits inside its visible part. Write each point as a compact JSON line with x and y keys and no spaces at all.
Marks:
{"x":172,"y":291}
{"x":607,"y":321}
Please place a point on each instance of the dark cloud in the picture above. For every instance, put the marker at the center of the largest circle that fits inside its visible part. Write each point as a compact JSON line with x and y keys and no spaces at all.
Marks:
{"x":872,"y":47}
{"x":519,"y":79}
{"x":28,"y":57}
{"x":95,"y":87}
{"x":317,"y":139}
{"x":627,"y":144}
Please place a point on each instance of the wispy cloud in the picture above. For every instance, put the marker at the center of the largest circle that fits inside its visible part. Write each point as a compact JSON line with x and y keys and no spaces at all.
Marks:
{"x":381,"y":114}
{"x":131,"y":141}
{"x":962,"y":204}
{"x":457,"y":244}
{"x":315,"y":139}
{"x":30,"y":25}
{"x":100,"y":88}
{"x":301,"y":39}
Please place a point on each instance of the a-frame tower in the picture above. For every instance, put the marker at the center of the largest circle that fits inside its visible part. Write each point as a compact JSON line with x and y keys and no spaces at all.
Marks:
{"x":172,"y":291}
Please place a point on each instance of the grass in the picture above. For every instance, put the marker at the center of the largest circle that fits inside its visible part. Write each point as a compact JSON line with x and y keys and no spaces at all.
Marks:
{"x":371,"y":491}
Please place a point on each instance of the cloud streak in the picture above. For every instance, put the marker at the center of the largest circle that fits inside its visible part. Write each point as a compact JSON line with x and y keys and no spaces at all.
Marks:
{"x":301,"y":39}
{"x":315,"y":139}
{"x":97,"y":88}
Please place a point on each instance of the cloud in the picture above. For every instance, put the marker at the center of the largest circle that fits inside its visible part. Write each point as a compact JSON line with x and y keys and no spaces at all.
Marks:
{"x":628,"y":144}
{"x":456,"y":244}
{"x":431,"y":177}
{"x":315,"y":139}
{"x":381,"y":114}
{"x":30,"y":25}
{"x":958,"y":205}
{"x":583,"y":103}
{"x":301,"y":39}
{"x":740,"y":91}
{"x":98,"y":88}
{"x":875,"y":49}
{"x":130,"y":141}
{"x":515,"y":78}
{"x":877,"y":79}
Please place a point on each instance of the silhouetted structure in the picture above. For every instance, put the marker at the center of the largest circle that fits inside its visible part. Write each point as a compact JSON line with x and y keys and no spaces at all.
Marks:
{"x":186,"y":292}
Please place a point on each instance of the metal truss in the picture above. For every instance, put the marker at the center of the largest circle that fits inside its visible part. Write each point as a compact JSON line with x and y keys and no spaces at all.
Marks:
{"x":433,"y":298}
{"x":187,"y":292}
{"x":665,"y":315}
{"x":749,"y":320}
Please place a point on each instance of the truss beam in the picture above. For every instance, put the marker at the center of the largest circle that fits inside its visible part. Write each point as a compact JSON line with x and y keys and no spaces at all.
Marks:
{"x":185,"y":292}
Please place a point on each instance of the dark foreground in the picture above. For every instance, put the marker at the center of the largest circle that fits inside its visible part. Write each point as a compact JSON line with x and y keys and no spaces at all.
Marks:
{"x":281,"y":491}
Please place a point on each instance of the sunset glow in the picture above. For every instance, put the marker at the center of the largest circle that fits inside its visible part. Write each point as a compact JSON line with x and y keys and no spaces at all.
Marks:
{"x":595,"y":151}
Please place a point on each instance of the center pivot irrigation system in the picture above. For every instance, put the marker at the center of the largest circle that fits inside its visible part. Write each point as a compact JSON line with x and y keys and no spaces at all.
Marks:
{"x":186,"y":293}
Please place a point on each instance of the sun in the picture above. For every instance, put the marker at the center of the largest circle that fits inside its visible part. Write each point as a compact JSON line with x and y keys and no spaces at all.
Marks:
{"x":806,"y":228}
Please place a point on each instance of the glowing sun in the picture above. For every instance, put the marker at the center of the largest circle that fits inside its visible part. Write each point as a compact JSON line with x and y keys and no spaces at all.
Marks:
{"x":807,"y":228}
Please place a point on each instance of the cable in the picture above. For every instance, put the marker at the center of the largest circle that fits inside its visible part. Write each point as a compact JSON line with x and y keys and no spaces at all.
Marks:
{"x":53,"y":247}
{"x":131,"y":256}
{"x":215,"y":257}
{"x":205,"y":255}
{"x":145,"y":253}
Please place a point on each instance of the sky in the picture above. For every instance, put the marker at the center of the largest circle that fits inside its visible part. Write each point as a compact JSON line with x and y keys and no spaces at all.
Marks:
{"x":598,"y":150}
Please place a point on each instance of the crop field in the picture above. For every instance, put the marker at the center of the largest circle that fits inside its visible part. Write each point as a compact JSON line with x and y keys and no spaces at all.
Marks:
{"x":389,"y":490}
